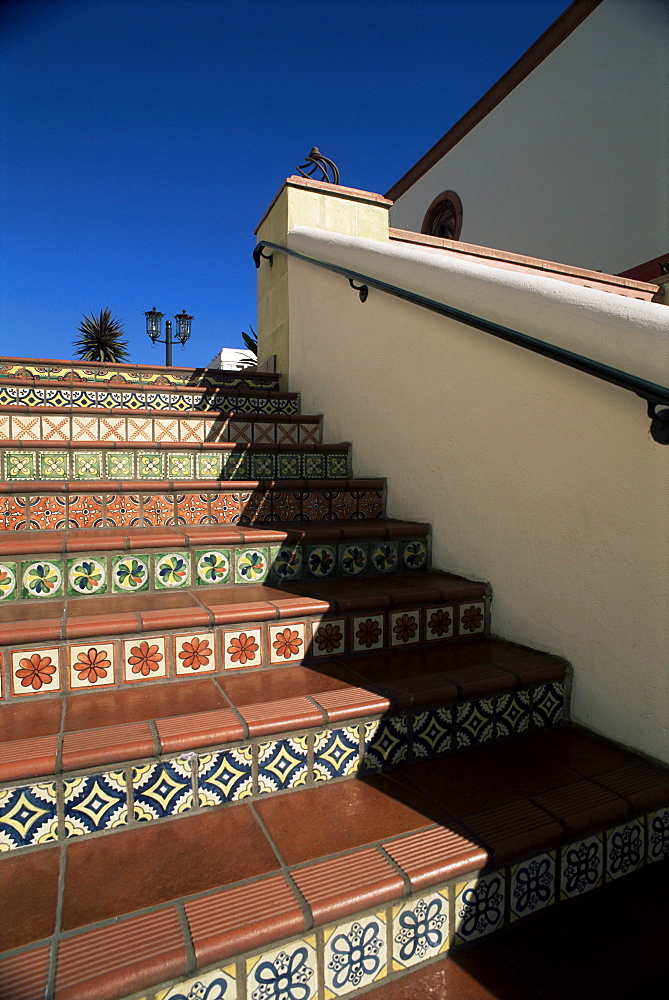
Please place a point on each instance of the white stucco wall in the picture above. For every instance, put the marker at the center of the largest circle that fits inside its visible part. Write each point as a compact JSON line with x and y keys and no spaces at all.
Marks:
{"x":542,"y":480}
{"x":573,"y":165}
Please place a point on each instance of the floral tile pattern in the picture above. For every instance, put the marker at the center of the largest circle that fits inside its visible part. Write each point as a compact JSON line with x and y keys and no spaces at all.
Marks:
{"x":130,"y":574}
{"x":225,"y":776}
{"x":513,"y":712}
{"x":432,"y":732}
{"x":532,"y":886}
{"x":282,"y":764}
{"x":475,"y":722}
{"x":625,"y":849}
{"x":95,"y":802}
{"x":91,"y":666}
{"x":144,"y":659}
{"x":252,"y":565}
{"x":194,"y":654}
{"x":242,"y":649}
{"x":48,"y":512}
{"x":35,"y":671}
{"x":28,"y":815}
{"x":56,"y":465}
{"x":439,"y":623}
{"x":20,"y":465}
{"x":85,"y":511}
{"x":368,"y":633}
{"x":336,"y":753}
{"x":414,"y":554}
{"x":8,"y":586}
{"x":355,"y":955}
{"x":582,"y":866}
{"x":353,"y":559}
{"x":420,"y":929}
{"x":658,"y":835}
{"x":286,"y":973}
{"x":547,"y":703}
{"x":220,"y":984}
{"x":328,"y":637}
{"x":42,"y":579}
{"x":286,"y":642}
{"x":404,"y":628}
{"x":172,"y":570}
{"x":384,"y":557}
{"x":386,"y":742}
{"x":472,"y":618}
{"x":287,"y":563}
{"x":86,"y":576}
{"x":163,"y":789}
{"x":479,"y":907}
{"x":321,"y":560}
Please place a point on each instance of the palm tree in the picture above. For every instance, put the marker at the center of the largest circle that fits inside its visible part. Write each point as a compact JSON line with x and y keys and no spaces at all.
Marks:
{"x":252,"y":345}
{"x":101,"y":338}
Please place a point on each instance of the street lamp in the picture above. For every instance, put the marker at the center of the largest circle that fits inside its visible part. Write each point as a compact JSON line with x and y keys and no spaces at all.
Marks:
{"x":153,"y":320}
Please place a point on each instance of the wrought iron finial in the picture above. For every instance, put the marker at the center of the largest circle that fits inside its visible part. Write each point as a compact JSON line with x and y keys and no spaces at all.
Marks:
{"x":316,"y":161}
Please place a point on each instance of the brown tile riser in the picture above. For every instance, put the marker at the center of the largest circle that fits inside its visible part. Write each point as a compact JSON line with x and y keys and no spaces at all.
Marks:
{"x":60,"y":426}
{"x":216,"y":776}
{"x":470,"y":907}
{"x":219,"y":650}
{"x":201,"y":565}
{"x":122,"y":503}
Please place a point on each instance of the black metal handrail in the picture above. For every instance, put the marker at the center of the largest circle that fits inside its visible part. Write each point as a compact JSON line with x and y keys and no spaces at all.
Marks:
{"x":654,"y":394}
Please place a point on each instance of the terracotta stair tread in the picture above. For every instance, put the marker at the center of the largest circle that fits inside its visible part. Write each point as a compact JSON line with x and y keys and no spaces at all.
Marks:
{"x":86,"y":729}
{"x":393,"y":833}
{"x":180,"y":446}
{"x":183,"y":485}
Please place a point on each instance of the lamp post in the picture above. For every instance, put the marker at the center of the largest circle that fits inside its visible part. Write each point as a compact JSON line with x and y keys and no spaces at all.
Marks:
{"x":153,"y":320}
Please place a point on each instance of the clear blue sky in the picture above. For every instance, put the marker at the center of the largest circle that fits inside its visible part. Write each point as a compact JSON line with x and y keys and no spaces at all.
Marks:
{"x":143,"y":139}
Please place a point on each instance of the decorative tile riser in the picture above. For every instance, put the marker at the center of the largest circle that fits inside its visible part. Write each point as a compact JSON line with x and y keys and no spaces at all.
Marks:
{"x":108,"y":661}
{"x":366,"y":948}
{"x":224,"y":400}
{"x":142,"y":464}
{"x":39,"y":579}
{"x":56,"y":425}
{"x":33,"y":369}
{"x":85,"y":803}
{"x":163,"y":504}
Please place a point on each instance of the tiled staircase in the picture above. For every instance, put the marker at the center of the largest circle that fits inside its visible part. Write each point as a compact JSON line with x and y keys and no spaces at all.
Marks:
{"x":253,"y":746}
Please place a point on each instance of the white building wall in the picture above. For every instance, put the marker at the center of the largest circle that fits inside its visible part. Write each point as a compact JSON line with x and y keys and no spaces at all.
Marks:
{"x":573,"y":165}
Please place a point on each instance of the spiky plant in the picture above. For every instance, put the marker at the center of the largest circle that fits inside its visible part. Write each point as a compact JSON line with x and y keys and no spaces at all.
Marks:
{"x":101,"y":338}
{"x":252,"y":345}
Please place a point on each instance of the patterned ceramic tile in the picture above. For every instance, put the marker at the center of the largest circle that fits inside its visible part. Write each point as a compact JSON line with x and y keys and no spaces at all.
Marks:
{"x":241,"y":431}
{"x":336,"y":753}
{"x":479,"y":907}
{"x":286,"y":642}
{"x":532,"y":886}
{"x":120,"y":464}
{"x":287,"y":433}
{"x":144,"y":660}
{"x":242,"y":648}
{"x":157,"y":509}
{"x":26,"y":428}
{"x":282,"y":764}
{"x":313,"y":506}
{"x":547,"y":703}
{"x":150,"y":465}
{"x":328,"y":637}
{"x":439,"y":623}
{"x":252,"y":565}
{"x":384,"y":557}
{"x":386,"y":742}
{"x":475,"y":722}
{"x":28,"y":815}
{"x":219,"y":984}
{"x":130,"y":574}
{"x":321,"y":560}
{"x":110,"y":429}
{"x":286,"y":505}
{"x":420,"y":929}
{"x":139,"y":428}
{"x":582,"y":867}
{"x":472,"y":618}
{"x":353,"y":559}
{"x":8,"y":582}
{"x":56,"y":465}
{"x":91,"y":665}
{"x":13,"y":514}
{"x":56,"y":428}
{"x":85,"y":511}
{"x":213,"y":566}
{"x":165,"y":429}
{"x":314,"y":466}
{"x":338,"y":467}
{"x":36,"y":671}
{"x":122,"y":511}
{"x":95,"y":802}
{"x":172,"y":570}
{"x":625,"y":849}
{"x":225,"y":776}
{"x":42,"y":579}
{"x":368,"y":633}
{"x":310,"y":433}
{"x":404,"y":628}
{"x":264,"y":433}
{"x":20,"y":465}
{"x":48,"y":512}
{"x":86,"y":576}
{"x":287,"y":563}
{"x":191,"y":430}
{"x":190,"y":508}
{"x":162,"y":789}
{"x":414,"y":554}
{"x":179,"y":466}
{"x":355,"y":955}
{"x":658,"y":836}
{"x":286,"y":973}
{"x":224,"y":508}
{"x":194,"y":653}
{"x":432,"y":732}
{"x":87,"y":465}
{"x":262,"y":466}
{"x":288,"y":466}
{"x":209,"y":466}
{"x":513,"y":713}
{"x":236,"y":465}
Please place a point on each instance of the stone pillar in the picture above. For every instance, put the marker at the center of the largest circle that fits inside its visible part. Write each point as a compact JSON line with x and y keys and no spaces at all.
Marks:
{"x":304,"y":202}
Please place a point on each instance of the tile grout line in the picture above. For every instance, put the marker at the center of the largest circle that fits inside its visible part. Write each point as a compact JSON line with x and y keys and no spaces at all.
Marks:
{"x":55,"y":937}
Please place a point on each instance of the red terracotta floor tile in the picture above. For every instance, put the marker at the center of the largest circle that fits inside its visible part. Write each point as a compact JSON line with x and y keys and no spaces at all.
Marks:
{"x":155,"y":864}
{"x":29,"y":894}
{"x":25,"y":975}
{"x":110,"y":708}
{"x":343,"y":816}
{"x":284,"y":682}
{"x":25,"y":721}
{"x":453,"y":979}
{"x":31,"y":612}
{"x":436,"y":855}
{"x":581,"y":751}
{"x":348,"y":884}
